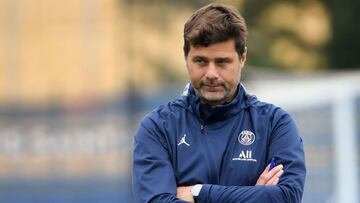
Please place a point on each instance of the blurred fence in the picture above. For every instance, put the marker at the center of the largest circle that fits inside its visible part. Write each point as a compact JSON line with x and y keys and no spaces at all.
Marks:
{"x":71,"y":154}
{"x":65,"y":156}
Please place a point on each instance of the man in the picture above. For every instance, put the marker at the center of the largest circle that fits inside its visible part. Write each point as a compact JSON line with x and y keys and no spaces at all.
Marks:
{"x":215,"y":142}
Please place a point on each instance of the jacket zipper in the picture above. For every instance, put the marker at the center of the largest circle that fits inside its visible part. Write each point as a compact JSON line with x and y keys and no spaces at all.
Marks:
{"x":202,"y":128}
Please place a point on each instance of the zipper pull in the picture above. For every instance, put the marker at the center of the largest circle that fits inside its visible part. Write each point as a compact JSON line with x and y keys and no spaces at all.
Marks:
{"x":202,"y":128}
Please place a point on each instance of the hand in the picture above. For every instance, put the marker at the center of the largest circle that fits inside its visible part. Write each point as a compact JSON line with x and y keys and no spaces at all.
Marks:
{"x":184,"y":193}
{"x":270,"y":177}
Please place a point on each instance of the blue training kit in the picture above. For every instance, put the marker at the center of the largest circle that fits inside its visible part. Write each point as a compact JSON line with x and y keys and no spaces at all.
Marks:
{"x":225,"y":148}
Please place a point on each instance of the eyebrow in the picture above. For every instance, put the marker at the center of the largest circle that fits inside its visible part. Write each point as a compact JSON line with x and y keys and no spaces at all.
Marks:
{"x":215,"y":59}
{"x":228,"y":59}
{"x":199,"y":57}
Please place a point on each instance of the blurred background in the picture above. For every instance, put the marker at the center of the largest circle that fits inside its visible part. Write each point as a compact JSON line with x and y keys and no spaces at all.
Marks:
{"x":76,"y":77}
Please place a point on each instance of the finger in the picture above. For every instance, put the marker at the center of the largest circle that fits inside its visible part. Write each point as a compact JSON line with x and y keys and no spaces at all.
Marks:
{"x":279,"y":174}
{"x":277,"y":168}
{"x":267,"y":175}
{"x":262,"y":178}
{"x":272,"y":173}
{"x":275,"y":179}
{"x":266,"y":171}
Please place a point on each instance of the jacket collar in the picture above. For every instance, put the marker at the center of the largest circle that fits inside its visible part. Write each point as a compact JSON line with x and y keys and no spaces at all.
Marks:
{"x":209,"y":114}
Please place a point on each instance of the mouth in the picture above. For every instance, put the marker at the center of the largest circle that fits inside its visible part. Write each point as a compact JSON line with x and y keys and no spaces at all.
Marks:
{"x":212,"y":87}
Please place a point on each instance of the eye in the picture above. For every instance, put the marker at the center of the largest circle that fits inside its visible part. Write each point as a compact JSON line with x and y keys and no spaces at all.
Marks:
{"x":222,"y":62}
{"x":200,"y":61}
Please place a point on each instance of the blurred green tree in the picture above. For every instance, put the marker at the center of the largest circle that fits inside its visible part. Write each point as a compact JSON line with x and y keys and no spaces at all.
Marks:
{"x":343,"y":49}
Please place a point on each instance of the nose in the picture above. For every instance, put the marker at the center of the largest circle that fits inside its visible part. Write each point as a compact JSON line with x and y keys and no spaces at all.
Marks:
{"x":211,"y":72}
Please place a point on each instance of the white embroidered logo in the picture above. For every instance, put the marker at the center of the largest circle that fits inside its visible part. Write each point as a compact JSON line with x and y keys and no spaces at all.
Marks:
{"x":183,"y":141}
{"x":245,"y":156}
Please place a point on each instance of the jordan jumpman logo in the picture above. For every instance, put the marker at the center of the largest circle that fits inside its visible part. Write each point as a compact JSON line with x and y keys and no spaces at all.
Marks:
{"x":183,"y":141}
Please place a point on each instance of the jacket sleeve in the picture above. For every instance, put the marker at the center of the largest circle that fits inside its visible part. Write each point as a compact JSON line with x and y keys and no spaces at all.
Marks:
{"x":287,"y":148}
{"x":152,"y":172}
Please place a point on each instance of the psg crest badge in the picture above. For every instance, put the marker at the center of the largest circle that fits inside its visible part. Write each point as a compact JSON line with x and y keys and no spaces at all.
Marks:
{"x":246,"y":137}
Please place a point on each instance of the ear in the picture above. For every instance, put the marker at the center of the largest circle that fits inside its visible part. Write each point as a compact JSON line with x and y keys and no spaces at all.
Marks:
{"x":186,"y":62}
{"x":243,"y":57}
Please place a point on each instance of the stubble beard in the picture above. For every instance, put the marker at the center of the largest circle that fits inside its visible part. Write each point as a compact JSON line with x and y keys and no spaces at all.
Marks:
{"x":210,"y":98}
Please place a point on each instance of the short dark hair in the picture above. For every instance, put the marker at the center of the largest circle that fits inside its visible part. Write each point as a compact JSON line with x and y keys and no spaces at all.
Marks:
{"x":215,"y":23}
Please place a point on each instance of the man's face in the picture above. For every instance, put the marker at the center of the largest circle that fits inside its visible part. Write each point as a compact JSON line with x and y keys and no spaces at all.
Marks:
{"x":215,"y":71}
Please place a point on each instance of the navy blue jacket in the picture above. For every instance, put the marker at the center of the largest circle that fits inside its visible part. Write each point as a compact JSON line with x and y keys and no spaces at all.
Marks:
{"x":225,"y":148}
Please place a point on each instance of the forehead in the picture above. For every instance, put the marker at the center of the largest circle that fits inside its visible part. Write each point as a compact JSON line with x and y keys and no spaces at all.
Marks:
{"x":219,"y":49}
